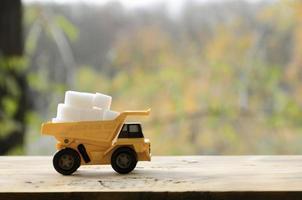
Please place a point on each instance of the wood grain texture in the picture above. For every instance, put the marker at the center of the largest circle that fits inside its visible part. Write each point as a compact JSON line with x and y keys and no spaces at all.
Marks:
{"x":181,"y":177}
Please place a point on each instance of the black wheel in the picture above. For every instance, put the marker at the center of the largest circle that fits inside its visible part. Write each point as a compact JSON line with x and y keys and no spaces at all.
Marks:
{"x":66,"y":161}
{"x":123,"y":160}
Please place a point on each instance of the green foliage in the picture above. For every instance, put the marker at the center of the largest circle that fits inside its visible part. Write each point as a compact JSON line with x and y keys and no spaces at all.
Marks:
{"x":65,"y":25}
{"x":9,"y":105}
{"x":15,"y":63}
{"x":12,"y":71}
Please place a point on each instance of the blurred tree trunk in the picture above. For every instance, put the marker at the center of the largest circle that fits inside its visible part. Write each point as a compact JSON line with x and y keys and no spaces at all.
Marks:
{"x":13,"y":87}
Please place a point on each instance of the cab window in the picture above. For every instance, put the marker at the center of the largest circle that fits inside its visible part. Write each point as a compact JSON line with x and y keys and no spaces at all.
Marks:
{"x":133,"y":128}
{"x":124,"y":129}
{"x":131,"y":131}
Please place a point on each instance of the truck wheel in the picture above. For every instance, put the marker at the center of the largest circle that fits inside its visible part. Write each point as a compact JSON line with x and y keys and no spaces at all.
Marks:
{"x":66,"y":161}
{"x":123,"y":160}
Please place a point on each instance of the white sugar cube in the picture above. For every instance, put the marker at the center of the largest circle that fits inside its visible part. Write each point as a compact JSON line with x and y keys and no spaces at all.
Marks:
{"x":56,"y":120}
{"x":71,"y":113}
{"x":110,"y":115}
{"x":67,"y":113}
{"x":93,"y":114}
{"x":79,"y":99}
{"x":102,"y":101}
{"x":81,"y":106}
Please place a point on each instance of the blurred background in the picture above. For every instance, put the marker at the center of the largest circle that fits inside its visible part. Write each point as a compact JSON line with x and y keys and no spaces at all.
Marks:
{"x":222,"y":77}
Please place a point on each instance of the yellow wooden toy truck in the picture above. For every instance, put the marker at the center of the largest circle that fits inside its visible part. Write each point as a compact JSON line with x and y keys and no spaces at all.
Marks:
{"x":99,"y":142}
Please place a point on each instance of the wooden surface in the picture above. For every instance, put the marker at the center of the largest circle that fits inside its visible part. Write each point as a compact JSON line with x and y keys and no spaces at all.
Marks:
{"x":183,"y":177}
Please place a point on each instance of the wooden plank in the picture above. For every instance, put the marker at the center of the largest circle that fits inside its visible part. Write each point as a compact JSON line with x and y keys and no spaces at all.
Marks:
{"x":181,"y":177}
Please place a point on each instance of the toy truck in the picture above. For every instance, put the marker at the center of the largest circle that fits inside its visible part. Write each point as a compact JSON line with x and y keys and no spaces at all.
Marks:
{"x":99,"y":142}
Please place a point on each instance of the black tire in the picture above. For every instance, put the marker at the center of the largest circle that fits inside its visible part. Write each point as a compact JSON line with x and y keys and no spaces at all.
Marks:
{"x":123,"y":160}
{"x":66,"y":161}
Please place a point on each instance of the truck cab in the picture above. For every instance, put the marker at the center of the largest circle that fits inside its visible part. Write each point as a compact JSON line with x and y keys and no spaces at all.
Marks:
{"x":131,"y":130}
{"x":131,"y":135}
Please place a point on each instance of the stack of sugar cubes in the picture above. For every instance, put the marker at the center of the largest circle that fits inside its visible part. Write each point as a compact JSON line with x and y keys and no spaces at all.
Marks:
{"x":80,"y":106}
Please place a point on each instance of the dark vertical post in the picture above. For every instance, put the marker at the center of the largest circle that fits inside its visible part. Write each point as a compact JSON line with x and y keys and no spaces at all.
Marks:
{"x":13,"y":85}
{"x":11,"y":43}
